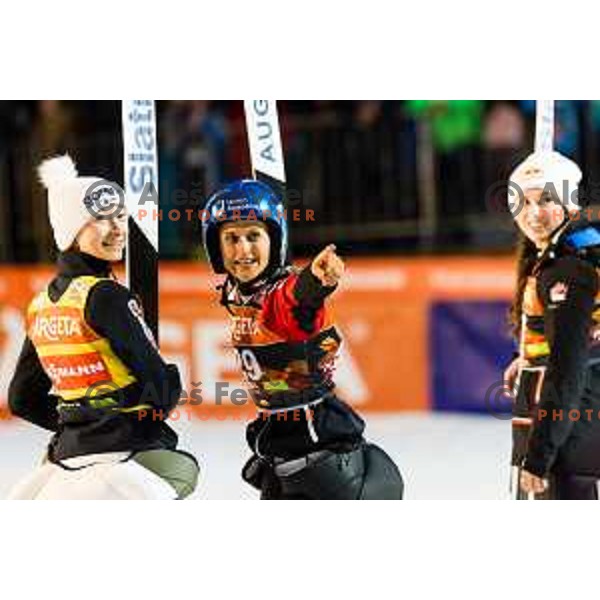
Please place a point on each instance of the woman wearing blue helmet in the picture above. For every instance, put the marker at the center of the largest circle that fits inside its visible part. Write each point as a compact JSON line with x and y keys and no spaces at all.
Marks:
{"x":306,"y":442}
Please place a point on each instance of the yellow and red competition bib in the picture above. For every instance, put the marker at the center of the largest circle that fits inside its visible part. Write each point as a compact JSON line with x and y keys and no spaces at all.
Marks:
{"x":74,"y":356}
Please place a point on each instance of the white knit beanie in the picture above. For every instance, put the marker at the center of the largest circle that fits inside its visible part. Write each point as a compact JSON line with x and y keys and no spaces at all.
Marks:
{"x":549,"y":170}
{"x":66,"y":193}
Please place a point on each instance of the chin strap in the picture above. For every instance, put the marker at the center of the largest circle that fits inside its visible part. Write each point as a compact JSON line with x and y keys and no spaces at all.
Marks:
{"x":224,"y":288}
{"x":549,"y":251}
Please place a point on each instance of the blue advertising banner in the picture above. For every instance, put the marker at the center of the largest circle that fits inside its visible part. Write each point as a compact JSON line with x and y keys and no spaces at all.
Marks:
{"x":469,"y":347}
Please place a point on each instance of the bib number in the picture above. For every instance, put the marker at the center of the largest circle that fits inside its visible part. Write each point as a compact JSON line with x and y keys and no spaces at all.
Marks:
{"x":250,"y":365}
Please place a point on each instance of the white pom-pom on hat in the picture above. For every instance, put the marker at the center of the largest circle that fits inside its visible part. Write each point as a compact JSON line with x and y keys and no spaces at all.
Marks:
{"x":66,"y":193}
{"x":54,"y":172}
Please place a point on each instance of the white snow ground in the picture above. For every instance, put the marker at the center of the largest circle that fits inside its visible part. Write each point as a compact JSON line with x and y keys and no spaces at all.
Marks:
{"x":442,"y":456}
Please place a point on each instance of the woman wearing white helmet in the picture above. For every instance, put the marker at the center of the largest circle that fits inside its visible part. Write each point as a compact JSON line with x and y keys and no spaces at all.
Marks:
{"x":556,"y":422}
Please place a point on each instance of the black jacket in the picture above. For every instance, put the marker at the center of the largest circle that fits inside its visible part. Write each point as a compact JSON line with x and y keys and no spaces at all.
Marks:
{"x":567,"y":285}
{"x":109,"y":312}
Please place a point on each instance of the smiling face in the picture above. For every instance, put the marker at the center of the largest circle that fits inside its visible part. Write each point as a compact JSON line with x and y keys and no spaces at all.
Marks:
{"x":104,"y":238}
{"x":245,"y":248}
{"x":540,"y":216}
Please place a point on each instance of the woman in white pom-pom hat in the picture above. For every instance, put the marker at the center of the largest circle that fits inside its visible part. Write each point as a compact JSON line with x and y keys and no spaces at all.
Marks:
{"x":89,"y":369}
{"x":556,"y":319}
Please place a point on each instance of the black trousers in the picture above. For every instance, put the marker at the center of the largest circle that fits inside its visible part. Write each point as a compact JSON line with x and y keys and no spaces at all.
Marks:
{"x":364,"y":472}
{"x":577,"y":469}
{"x":567,"y":486}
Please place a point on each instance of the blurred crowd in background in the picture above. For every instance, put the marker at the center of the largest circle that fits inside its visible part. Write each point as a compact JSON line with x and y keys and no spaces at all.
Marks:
{"x":414,"y":176}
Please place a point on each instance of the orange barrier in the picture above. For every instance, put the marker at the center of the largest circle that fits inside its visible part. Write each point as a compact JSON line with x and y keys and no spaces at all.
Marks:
{"x":381,"y":309}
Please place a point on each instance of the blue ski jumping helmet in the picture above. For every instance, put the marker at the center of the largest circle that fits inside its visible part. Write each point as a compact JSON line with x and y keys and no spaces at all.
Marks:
{"x":245,"y":196}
